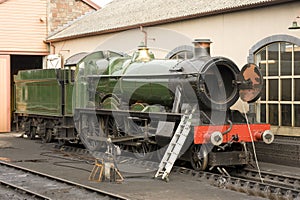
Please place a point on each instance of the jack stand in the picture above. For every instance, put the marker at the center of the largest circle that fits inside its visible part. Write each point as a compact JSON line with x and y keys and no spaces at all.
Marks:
{"x":111,"y":172}
{"x":97,"y":167}
{"x":107,"y":165}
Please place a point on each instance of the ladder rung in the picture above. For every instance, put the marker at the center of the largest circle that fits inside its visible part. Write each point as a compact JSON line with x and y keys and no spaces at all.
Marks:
{"x":185,"y":134}
{"x":172,"y":144}
{"x":166,"y":163}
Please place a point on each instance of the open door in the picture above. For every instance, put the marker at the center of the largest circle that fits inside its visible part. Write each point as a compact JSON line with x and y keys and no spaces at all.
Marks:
{"x":5,"y":93}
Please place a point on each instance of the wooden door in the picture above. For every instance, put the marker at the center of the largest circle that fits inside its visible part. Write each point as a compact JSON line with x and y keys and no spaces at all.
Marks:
{"x":4,"y":93}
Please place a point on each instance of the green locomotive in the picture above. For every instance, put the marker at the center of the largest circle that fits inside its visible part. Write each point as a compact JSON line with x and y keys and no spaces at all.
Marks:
{"x":139,"y":102}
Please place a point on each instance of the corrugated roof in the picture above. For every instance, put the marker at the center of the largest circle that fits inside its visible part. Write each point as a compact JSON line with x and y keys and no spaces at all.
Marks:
{"x":126,"y":14}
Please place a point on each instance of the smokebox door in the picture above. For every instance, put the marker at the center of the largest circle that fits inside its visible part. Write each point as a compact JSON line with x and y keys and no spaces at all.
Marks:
{"x":251,"y":83}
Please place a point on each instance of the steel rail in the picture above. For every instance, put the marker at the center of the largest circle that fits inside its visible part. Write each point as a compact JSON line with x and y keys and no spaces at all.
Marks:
{"x":251,"y":187}
{"x":24,"y":190}
{"x":287,"y":181}
{"x":88,"y":188}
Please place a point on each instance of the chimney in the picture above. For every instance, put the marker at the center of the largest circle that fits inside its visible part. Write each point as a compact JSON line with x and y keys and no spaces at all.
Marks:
{"x":201,"y":47}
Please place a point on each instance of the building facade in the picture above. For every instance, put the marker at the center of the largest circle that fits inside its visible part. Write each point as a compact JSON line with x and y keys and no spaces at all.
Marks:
{"x":245,"y":31}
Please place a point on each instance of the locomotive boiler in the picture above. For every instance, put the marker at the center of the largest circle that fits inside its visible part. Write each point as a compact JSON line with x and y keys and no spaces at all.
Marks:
{"x":138,"y":101}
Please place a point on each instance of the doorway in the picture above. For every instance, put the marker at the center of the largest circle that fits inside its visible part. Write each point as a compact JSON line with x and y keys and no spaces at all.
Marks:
{"x":21,"y":62}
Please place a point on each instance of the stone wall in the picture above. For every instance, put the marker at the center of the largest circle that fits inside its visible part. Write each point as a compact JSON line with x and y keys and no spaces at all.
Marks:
{"x":61,"y":12}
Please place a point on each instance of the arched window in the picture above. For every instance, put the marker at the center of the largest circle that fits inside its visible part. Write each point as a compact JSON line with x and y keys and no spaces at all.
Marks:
{"x":279,"y":61}
{"x":181,"y":52}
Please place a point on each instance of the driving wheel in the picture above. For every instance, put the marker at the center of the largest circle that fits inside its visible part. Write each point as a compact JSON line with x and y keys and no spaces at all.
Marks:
{"x":199,"y":157}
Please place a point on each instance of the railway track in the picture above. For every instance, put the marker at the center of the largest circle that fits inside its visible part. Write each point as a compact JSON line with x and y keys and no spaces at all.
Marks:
{"x":254,"y":187}
{"x":43,"y":186}
{"x":13,"y":191}
{"x":287,"y":181}
{"x":273,"y":186}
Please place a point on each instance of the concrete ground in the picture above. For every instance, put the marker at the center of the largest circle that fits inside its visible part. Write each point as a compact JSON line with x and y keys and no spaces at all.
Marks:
{"x":41,"y":157}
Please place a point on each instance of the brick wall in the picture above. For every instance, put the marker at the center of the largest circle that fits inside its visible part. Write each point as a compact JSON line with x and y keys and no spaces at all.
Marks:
{"x":63,"y":11}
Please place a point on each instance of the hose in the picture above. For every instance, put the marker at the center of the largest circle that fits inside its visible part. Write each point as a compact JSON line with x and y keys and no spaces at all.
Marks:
{"x":229,"y":129}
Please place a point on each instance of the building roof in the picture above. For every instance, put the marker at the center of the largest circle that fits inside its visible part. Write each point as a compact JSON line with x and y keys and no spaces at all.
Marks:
{"x":127,"y":14}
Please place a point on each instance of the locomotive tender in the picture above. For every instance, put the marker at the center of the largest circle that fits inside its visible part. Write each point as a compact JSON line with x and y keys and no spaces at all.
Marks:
{"x":138,"y":101}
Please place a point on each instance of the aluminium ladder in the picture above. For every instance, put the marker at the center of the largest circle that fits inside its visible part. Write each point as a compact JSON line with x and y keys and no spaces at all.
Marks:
{"x":175,"y":146}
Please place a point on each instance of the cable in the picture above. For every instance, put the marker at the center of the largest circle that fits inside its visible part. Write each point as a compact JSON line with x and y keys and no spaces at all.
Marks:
{"x":64,"y":164}
{"x":253,"y":146}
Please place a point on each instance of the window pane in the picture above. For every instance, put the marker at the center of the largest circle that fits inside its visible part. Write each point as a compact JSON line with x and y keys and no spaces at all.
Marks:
{"x":260,"y":59}
{"x":297,"y":60}
{"x":263,"y":113}
{"x":297,"y":89}
{"x":297,"y":115}
{"x":263,"y":91}
{"x":273,"y":114}
{"x":273,"y":59}
{"x":286,"y":58}
{"x":273,"y":90}
{"x":286,"y":115}
{"x":262,"y":68}
{"x":286,"y":89}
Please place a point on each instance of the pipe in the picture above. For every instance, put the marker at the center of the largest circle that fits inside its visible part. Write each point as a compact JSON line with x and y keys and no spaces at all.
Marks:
{"x":229,"y":129}
{"x":53,"y":48}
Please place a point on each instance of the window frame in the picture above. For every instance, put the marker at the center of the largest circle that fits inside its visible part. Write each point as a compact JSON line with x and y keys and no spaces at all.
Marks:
{"x":267,"y":102}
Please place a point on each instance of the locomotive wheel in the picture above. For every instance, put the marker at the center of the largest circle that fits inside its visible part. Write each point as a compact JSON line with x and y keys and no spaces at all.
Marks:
{"x":110,"y":127}
{"x":142,"y":151}
{"x":32,"y":133}
{"x":48,"y":136}
{"x":61,"y":142}
{"x":22,"y":127}
{"x":199,"y":157}
{"x":90,"y":130}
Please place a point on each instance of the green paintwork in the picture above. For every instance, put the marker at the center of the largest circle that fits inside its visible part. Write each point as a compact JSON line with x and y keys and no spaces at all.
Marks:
{"x":95,"y":63}
{"x":114,"y":76}
{"x":68,"y":99}
{"x":138,"y":89}
{"x":39,"y":92}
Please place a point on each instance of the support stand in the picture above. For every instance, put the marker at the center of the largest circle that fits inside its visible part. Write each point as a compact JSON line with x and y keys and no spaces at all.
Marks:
{"x":107,"y":165}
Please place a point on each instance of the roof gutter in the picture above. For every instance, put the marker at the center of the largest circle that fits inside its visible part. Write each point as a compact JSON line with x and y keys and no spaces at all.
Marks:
{"x":91,"y":4}
{"x":169,"y":20}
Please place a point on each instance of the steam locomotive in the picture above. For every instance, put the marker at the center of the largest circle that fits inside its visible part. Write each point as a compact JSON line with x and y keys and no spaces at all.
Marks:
{"x":138,"y":102}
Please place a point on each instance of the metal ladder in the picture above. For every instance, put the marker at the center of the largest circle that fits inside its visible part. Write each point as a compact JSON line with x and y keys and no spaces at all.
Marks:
{"x":175,"y":145}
